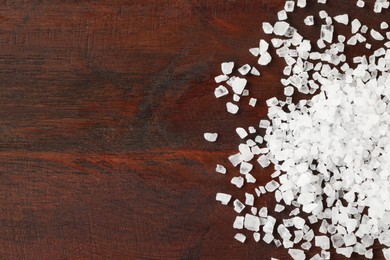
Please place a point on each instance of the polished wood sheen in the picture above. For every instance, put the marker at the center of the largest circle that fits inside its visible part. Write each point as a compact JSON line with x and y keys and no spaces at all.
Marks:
{"x":103,"y":109}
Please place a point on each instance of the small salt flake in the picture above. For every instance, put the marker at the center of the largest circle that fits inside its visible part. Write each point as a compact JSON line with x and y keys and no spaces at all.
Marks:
{"x":322,"y":242}
{"x":236,"y":98}
{"x":256,"y":236}
{"x":238,"y":85}
{"x":240,"y":237}
{"x":244,"y":69}
{"x":223,"y":198}
{"x":249,"y":178}
{"x":220,"y":169}
{"x":268,"y":238}
{"x":242,"y":133}
{"x":220,"y":91}
{"x":255,"y":71}
{"x":210,"y":137}
{"x":221,"y":78}
{"x":263,"y":46}
{"x":280,"y":28}
{"x":323,"y":14}
{"x":245,"y":93}
{"x":309,"y":20}
{"x":272,"y":186}
{"x":384,"y":25}
{"x":321,"y":1}
{"x":327,"y":33}
{"x":255,"y":51}
{"x":251,"y":130}
{"x":289,"y":6}
{"x":279,"y":208}
{"x":288,"y":91}
{"x":237,"y":181}
{"x":227,"y":67}
{"x":238,"y":206}
{"x":231,"y":108}
{"x":343,"y":19}
{"x":360,"y":3}
{"x":252,"y":102}
{"x":267,"y":28}
{"x":376,"y":35}
{"x":252,"y":223}
{"x":254,"y":210}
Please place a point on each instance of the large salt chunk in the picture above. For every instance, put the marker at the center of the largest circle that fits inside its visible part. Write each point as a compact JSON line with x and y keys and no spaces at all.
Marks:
{"x":301,"y":3}
{"x":267,"y":28}
{"x":297,"y":254}
{"x":242,"y":133}
{"x":220,"y":169}
{"x":322,"y":242}
{"x":238,"y":85}
{"x":223,"y":198}
{"x":386,"y":253}
{"x":210,"y":137}
{"x":252,"y":222}
{"x":376,"y":35}
{"x":237,"y":181}
{"x":280,"y":28}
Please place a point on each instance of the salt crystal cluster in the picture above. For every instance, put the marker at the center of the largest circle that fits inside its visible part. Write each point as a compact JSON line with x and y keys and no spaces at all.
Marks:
{"x":329,"y":152}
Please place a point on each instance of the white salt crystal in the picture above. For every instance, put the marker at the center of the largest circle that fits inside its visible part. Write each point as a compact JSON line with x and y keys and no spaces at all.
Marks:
{"x":306,"y":245}
{"x":360,"y":3}
{"x":264,"y":59}
{"x":279,"y":208}
{"x":327,"y":33}
{"x":288,"y":91}
{"x":255,"y":51}
{"x":251,"y":130}
{"x":301,"y":3}
{"x":256,"y":236}
{"x":272,"y":186}
{"x":384,"y":25}
{"x":249,"y":199}
{"x":323,"y":14}
{"x":238,"y":222}
{"x":282,"y":15}
{"x":252,"y":102}
{"x":269,"y":225}
{"x":263,"y":46}
{"x":220,"y":169}
{"x":289,"y":6}
{"x":237,"y":181}
{"x":345,"y":251}
{"x":321,"y":1}
{"x":297,"y":254}
{"x":350,"y":239}
{"x":386,"y":253}
{"x":298,"y":222}
{"x":231,"y":108}
{"x":245,"y":167}
{"x":242,"y":133}
{"x":263,"y":212}
{"x":238,"y":206}
{"x":254,"y":210}
{"x":223,"y":198}
{"x":267,"y":28}
{"x":227,"y":68}
{"x":268,"y":238}
{"x":238,"y":85}
{"x":220,"y":91}
{"x":376,"y":35}
{"x":264,"y":123}
{"x":255,"y":71}
{"x":210,"y":137}
{"x":309,"y":20}
{"x":355,"y":26}
{"x":322,"y":242}
{"x":221,"y":78}
{"x":252,"y":223}
{"x":343,"y":19}
{"x":240,"y":237}
{"x":249,"y":178}
{"x":236,"y":98}
{"x":280,"y":28}
{"x":244,"y":69}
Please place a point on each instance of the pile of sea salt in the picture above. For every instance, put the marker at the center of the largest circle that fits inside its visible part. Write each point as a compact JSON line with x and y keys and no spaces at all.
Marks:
{"x":330,"y":152}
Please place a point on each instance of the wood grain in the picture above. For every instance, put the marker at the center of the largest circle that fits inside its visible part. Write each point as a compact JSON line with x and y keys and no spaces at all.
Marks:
{"x":102,"y":109}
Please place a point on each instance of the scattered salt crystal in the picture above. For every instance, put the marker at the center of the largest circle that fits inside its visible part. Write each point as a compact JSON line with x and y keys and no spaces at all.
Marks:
{"x":376,"y":35}
{"x":227,"y":68}
{"x":327,"y":33}
{"x":238,"y":85}
{"x":220,"y":169}
{"x":301,"y":3}
{"x":231,"y":108}
{"x":322,"y":242}
{"x":210,"y":137}
{"x":289,"y":6}
{"x":252,"y":102}
{"x":244,"y":69}
{"x":279,"y":208}
{"x":221,"y":78}
{"x":386,"y":253}
{"x":249,"y":199}
{"x":323,"y":14}
{"x":360,"y":3}
{"x":256,"y":236}
{"x":237,"y":181}
{"x":268,"y":28}
{"x":238,"y":222}
{"x":240,"y":237}
{"x":297,"y":254}
{"x":264,"y":59}
{"x":345,"y":251}
{"x":343,"y":19}
{"x":355,"y":26}
{"x":288,"y":91}
{"x":255,"y":51}
{"x":238,"y":206}
{"x":252,"y":222}
{"x":223,"y":198}
{"x":268,"y":238}
{"x":255,"y":71}
{"x":309,"y":20}
{"x":242,"y":133}
{"x":282,"y":15}
{"x":384,"y":25}
{"x":272,"y":186}
{"x":263,"y":46}
{"x":280,"y":28}
{"x":220,"y":91}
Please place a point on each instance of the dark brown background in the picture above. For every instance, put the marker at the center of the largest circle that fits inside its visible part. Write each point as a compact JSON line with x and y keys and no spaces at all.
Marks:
{"x":103,"y":109}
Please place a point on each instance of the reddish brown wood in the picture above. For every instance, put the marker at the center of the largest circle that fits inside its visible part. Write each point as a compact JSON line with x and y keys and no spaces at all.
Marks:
{"x":103,"y":106}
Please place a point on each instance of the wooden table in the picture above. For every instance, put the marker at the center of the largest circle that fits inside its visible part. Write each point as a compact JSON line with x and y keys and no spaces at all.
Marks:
{"x":103,"y":109}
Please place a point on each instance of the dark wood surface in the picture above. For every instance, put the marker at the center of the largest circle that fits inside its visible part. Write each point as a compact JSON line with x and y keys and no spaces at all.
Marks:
{"x":102,"y":114}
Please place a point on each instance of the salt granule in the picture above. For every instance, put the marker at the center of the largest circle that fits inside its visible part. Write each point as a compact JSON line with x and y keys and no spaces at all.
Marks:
{"x":238,"y":206}
{"x":343,"y":19}
{"x":210,"y":137}
{"x":240,"y":237}
{"x":252,"y":102}
{"x":227,"y":68}
{"x":223,"y":198}
{"x":231,"y":108}
{"x":220,"y":91}
{"x":220,"y":169}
